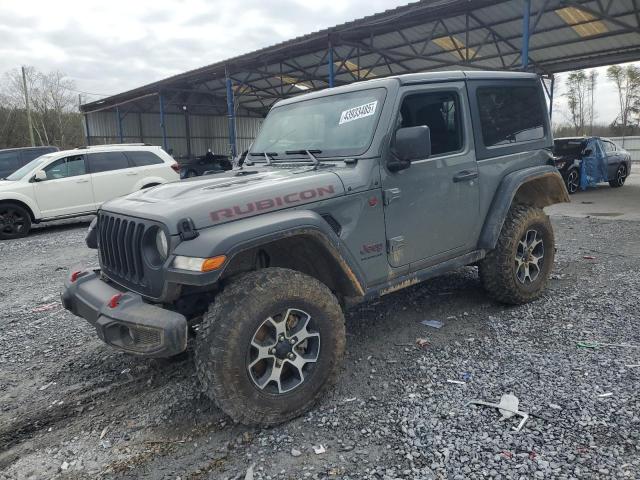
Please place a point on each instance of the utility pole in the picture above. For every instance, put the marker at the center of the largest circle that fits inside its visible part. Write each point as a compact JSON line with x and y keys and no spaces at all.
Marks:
{"x":26,"y":102}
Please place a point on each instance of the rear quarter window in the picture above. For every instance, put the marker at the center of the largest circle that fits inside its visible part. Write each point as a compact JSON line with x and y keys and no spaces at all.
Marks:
{"x":143,"y":158}
{"x":510,"y":115}
{"x":107,"y":161}
{"x":9,"y":161}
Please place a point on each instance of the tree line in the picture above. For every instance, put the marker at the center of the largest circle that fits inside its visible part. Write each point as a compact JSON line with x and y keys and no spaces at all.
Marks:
{"x":580,"y":86}
{"x":54,"y":110}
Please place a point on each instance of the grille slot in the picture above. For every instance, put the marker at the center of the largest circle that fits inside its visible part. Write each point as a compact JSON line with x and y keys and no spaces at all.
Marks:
{"x":120,"y":244}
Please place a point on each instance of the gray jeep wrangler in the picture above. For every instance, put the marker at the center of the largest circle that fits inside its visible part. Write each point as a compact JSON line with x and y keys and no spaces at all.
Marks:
{"x":347,"y":194}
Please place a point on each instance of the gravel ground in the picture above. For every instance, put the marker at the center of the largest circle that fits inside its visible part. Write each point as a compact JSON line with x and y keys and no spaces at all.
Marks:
{"x":70,"y":407}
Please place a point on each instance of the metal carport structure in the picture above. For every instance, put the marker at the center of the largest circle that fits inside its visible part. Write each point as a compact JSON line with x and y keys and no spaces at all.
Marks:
{"x":545,"y":36}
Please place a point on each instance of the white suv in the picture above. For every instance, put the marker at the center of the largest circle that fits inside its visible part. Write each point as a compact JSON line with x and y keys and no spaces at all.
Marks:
{"x":76,"y":182}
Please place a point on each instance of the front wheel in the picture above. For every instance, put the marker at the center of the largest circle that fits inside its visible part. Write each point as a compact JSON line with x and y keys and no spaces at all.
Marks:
{"x":572,"y":181}
{"x":270,"y":345}
{"x":621,"y":176}
{"x":15,"y":221}
{"x":517,"y":270}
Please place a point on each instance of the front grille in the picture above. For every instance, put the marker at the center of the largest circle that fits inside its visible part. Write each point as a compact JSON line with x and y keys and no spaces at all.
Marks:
{"x":120,"y":244}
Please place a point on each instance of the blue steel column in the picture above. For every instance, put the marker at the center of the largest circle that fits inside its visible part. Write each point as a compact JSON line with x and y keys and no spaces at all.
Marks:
{"x":119,"y":125}
{"x":332,"y":75}
{"x":231,"y":114}
{"x":86,"y":127}
{"x":553,"y":81}
{"x":525,"y":34}
{"x":162,"y":124}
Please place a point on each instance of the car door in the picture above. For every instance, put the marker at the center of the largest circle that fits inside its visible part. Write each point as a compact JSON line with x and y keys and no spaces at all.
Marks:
{"x":148,"y":164}
{"x":112,"y":175}
{"x":613,"y":158}
{"x":67,"y":188}
{"x":431,"y":208}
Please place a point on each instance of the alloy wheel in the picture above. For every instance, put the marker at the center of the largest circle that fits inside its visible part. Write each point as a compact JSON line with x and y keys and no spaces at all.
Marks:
{"x":12,"y":221}
{"x":529,"y":257}
{"x":573,"y":182}
{"x":283,"y":352}
{"x":621,"y":175}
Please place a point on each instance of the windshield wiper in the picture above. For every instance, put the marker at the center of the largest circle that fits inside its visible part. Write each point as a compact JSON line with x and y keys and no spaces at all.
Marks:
{"x":267,"y":156}
{"x":309,"y":153}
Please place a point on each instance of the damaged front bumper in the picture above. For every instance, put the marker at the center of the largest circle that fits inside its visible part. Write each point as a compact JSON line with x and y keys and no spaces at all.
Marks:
{"x":123,"y":319}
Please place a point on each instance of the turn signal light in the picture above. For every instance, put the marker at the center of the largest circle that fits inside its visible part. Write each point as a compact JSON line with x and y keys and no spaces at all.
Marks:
{"x":212,"y":263}
{"x":114,"y":301}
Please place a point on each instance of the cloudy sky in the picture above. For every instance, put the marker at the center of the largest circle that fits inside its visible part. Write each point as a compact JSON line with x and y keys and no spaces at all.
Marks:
{"x":108,"y":47}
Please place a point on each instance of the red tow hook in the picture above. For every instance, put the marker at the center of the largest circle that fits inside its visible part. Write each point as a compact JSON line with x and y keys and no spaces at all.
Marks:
{"x":115,"y":300}
{"x":75,"y":275}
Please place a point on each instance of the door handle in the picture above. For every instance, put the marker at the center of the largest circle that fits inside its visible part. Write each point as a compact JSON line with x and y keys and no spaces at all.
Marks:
{"x":82,"y":181}
{"x":464,"y":176}
{"x":131,"y":174}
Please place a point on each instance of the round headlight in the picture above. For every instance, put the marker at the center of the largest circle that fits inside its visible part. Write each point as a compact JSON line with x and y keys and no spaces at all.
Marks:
{"x":162,"y":244}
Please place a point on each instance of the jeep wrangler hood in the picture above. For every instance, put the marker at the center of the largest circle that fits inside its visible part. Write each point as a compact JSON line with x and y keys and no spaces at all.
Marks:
{"x":216,"y":199}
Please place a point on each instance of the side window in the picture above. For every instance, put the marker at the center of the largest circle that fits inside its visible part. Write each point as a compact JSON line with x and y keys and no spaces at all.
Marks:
{"x":440,"y":112}
{"x":143,"y":158}
{"x":510,"y":114}
{"x":107,"y":161}
{"x":9,"y":161}
{"x":66,"y":167}
{"x":608,"y":146}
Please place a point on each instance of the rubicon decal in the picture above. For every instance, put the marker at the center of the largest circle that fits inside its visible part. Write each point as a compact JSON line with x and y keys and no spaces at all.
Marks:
{"x":295,"y":198}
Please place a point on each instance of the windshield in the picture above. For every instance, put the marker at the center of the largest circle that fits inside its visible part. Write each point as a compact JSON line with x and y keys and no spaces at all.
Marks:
{"x":21,"y":172}
{"x":335,"y":125}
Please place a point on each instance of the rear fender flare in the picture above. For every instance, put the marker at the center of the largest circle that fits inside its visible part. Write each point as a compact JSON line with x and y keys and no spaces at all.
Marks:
{"x":536,"y":186}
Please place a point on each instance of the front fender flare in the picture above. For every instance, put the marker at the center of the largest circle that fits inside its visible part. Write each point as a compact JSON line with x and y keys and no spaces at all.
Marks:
{"x":233,"y":238}
{"x":538,"y":186}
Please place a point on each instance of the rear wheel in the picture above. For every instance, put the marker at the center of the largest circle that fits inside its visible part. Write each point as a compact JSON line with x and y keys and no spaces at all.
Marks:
{"x":572,"y":180}
{"x":15,"y":221}
{"x":191,"y":174}
{"x":621,"y":176}
{"x":270,"y":345}
{"x":517,"y":270}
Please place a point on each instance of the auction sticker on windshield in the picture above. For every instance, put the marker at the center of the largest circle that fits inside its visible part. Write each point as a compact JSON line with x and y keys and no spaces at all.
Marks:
{"x":356,"y":113}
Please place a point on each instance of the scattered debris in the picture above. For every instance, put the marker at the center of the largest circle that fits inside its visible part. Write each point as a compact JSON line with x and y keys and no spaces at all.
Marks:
{"x":44,"y":387}
{"x":349,"y":400}
{"x":508,"y":407}
{"x":603,"y":395}
{"x":422,"y":343}
{"x":45,"y":307}
{"x":507,"y":454}
{"x":588,"y":257}
{"x":590,"y":344}
{"x":466,"y":376}
{"x":457,"y":382}
{"x":64,"y":466}
{"x":432,"y":323}
{"x":555,"y":406}
{"x":249,"y":474}
{"x":319,"y":450}
{"x":104,"y":432}
{"x":633,"y":366}
{"x":295,"y":452}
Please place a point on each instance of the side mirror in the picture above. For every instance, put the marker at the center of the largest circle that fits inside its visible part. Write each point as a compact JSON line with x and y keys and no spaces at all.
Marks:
{"x":587,"y":152}
{"x":411,"y":143}
{"x":40,"y":175}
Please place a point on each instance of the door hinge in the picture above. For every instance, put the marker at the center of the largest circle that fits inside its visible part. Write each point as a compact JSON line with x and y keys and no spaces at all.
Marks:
{"x":390,"y":195}
{"x":395,"y":244}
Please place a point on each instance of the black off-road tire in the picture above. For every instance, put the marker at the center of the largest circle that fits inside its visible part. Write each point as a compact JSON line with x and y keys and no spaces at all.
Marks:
{"x":224,"y":337}
{"x":498,"y":269}
{"x":19,"y":227}
{"x":620,"y":178}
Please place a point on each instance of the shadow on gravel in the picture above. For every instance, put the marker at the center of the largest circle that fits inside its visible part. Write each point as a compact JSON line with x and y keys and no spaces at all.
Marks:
{"x":59,"y":226}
